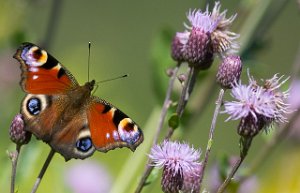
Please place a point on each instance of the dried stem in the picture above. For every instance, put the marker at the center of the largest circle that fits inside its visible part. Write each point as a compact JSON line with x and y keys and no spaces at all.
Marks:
{"x":211,"y":133}
{"x":43,"y":170}
{"x":185,"y":94}
{"x":166,"y":104}
{"x":14,"y":161}
{"x":187,"y":90}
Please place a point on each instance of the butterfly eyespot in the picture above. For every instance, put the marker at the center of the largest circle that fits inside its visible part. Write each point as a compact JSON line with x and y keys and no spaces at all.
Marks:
{"x":84,"y":144}
{"x":128,"y":131}
{"x":34,"y":106}
{"x":37,"y":54}
{"x":34,"y":56}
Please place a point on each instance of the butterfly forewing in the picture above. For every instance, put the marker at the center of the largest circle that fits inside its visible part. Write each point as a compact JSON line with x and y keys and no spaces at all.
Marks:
{"x":41,"y":72}
{"x":111,"y":128}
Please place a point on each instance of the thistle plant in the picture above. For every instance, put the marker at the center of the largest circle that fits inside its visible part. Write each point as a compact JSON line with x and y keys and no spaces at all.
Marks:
{"x":257,"y":107}
{"x":213,"y":44}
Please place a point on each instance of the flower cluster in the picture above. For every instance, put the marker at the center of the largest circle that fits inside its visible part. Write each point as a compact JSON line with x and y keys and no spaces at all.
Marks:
{"x":181,"y":168}
{"x":207,"y":34}
{"x":258,"y":106}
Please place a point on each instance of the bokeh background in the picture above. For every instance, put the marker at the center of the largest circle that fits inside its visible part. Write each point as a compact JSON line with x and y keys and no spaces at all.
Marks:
{"x":133,"y":37}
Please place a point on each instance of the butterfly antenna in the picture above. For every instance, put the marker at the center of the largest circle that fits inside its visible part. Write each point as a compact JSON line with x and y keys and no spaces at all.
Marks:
{"x":89,"y":56}
{"x":110,"y":79}
{"x":107,"y":80}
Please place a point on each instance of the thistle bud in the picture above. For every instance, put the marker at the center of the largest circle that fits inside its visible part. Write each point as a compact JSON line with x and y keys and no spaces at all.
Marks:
{"x":182,"y":78}
{"x":229,"y":71}
{"x":17,"y":133}
{"x":198,"y":51}
{"x":178,"y":45}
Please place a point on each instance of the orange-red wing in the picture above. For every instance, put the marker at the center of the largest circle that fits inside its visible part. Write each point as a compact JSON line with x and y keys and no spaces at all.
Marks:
{"x":110,"y":128}
{"x":42,"y":81}
{"x":41,"y":72}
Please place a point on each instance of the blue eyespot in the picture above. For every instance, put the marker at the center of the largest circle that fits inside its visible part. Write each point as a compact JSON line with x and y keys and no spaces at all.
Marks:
{"x":84,"y":144}
{"x":34,"y":106}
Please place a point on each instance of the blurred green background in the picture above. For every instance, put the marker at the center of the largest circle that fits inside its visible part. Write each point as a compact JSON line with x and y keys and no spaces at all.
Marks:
{"x":133,"y":37}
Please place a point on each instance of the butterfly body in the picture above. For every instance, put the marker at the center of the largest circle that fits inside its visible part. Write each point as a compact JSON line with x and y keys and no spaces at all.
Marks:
{"x":64,"y":114}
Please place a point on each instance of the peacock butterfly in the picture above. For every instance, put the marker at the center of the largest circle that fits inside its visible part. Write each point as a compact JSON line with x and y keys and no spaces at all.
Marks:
{"x":64,"y":114}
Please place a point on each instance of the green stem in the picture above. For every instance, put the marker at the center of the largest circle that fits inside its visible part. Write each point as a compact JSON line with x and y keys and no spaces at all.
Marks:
{"x":211,"y":133}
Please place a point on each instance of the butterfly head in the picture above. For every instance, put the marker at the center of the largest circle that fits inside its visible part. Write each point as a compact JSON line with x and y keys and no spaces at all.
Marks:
{"x":90,"y":85}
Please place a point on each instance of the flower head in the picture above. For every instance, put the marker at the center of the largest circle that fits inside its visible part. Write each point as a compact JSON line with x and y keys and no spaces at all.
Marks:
{"x":229,"y":71}
{"x":17,"y":133}
{"x":179,"y":163}
{"x":206,"y":34}
{"x":257,"y":106}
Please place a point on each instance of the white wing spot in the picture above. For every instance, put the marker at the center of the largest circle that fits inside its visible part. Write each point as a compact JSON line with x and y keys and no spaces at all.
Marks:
{"x":116,"y":135}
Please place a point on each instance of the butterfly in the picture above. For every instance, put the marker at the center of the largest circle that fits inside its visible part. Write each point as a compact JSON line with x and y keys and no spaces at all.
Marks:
{"x":57,"y":110}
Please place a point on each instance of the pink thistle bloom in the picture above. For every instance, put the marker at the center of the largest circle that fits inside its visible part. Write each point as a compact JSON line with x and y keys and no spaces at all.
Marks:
{"x":261,"y":105}
{"x":179,"y":163}
{"x":207,"y":33}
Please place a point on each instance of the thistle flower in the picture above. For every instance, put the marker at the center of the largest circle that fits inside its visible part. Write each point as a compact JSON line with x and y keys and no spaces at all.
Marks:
{"x":206,"y":35}
{"x":229,"y":71}
{"x":17,"y":133}
{"x":179,"y":163}
{"x":257,"y":106}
